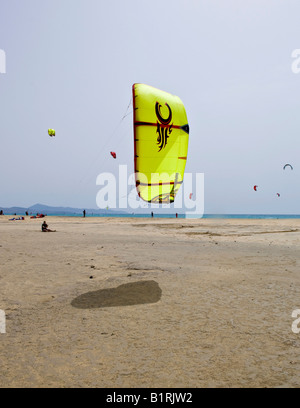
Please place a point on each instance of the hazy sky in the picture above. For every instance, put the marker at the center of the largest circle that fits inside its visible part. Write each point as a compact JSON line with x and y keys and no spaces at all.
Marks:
{"x":70,"y":65}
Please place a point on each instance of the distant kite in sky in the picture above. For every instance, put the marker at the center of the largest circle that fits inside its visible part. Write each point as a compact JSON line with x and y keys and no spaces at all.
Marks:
{"x":113,"y":155}
{"x":51,"y":132}
{"x":191,"y":194}
{"x":287,"y":165}
{"x":255,"y":188}
{"x":278,"y":195}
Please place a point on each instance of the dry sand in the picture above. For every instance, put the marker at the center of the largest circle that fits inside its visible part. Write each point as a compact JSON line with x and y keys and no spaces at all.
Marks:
{"x":149,"y":303}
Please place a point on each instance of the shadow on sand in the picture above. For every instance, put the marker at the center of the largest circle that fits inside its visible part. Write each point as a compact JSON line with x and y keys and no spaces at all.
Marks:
{"x":136,"y":293}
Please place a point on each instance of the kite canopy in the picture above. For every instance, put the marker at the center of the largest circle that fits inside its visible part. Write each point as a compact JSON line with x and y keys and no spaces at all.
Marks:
{"x":255,"y":188}
{"x":287,"y":165}
{"x":51,"y":132}
{"x":161,"y":134}
{"x":113,"y":155}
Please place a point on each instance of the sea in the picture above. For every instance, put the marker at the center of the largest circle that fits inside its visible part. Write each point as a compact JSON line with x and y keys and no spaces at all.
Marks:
{"x":182,"y":216}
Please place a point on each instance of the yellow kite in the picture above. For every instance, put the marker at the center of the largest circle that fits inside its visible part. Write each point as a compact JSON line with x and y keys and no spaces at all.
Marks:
{"x":161,"y":135}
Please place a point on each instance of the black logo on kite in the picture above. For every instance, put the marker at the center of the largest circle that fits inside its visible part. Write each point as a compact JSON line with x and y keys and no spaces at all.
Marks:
{"x":164,"y":129}
{"x":165,"y":198}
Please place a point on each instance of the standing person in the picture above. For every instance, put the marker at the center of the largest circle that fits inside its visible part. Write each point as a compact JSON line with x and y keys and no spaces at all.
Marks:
{"x":83,"y":213}
{"x":152,"y":214}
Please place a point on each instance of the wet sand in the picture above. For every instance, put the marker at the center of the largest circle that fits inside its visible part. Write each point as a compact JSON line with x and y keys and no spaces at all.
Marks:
{"x":107,"y":302}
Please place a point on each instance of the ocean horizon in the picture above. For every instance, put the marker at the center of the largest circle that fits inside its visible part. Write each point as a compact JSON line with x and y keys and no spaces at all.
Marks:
{"x":165,"y":215}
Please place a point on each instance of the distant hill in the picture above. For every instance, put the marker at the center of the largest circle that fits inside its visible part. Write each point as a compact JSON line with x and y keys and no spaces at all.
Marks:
{"x":49,"y":210}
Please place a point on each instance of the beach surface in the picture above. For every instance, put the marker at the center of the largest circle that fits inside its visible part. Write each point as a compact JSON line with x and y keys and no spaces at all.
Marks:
{"x":141,"y":302}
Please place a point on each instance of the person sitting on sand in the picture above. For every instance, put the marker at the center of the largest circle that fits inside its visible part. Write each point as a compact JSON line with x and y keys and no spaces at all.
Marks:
{"x":45,"y":227}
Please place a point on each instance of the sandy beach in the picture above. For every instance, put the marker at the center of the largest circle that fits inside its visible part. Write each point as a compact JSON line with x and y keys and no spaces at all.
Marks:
{"x":140,"y":302}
